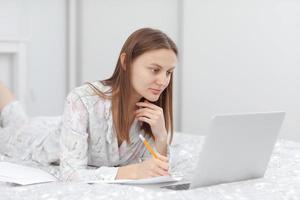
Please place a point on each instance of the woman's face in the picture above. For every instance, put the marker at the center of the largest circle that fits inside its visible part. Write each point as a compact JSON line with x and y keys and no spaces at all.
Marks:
{"x":151,"y":73}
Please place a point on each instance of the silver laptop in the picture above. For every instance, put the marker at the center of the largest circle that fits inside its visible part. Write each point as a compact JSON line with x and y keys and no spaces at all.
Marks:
{"x":238,"y":147}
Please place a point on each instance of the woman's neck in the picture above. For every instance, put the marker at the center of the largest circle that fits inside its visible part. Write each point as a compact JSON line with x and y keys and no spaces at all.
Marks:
{"x":134,"y":98}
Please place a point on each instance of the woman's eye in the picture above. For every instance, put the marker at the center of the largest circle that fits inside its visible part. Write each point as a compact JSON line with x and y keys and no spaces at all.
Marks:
{"x":169,"y":73}
{"x":155,"y":70}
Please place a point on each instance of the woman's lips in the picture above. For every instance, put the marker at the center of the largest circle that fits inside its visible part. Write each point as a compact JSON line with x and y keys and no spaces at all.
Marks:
{"x":155,"y":91}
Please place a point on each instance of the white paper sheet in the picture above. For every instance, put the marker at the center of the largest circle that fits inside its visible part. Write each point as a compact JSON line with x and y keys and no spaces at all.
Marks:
{"x":23,"y":175}
{"x":154,"y":180}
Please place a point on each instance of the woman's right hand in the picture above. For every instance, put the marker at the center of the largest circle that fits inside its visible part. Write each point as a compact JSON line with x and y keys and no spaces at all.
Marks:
{"x":153,"y":167}
{"x":149,"y":168}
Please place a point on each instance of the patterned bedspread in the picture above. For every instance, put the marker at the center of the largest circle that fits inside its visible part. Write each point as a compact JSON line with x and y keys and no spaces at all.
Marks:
{"x":281,"y":181}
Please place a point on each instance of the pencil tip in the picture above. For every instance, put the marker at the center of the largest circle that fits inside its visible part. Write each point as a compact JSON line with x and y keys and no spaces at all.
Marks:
{"x":142,"y":137}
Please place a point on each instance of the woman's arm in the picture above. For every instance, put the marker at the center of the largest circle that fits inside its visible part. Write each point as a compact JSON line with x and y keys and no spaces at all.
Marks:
{"x":149,"y":168}
{"x":161,"y":144}
{"x":74,"y":145}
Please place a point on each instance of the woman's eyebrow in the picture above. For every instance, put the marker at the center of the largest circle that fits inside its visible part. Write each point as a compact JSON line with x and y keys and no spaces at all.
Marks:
{"x":155,"y":64}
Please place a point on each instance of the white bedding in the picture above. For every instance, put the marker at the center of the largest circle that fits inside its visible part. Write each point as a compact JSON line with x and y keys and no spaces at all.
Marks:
{"x":281,"y":181}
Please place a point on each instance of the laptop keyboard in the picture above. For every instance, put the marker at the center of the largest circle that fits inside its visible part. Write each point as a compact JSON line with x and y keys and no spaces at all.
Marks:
{"x":184,"y":186}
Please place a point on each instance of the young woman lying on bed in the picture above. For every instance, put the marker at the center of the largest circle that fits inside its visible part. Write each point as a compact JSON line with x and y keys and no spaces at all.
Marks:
{"x":102,"y":120}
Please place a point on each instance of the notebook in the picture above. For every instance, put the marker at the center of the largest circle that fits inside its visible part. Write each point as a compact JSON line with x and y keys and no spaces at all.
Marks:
{"x":23,"y":175}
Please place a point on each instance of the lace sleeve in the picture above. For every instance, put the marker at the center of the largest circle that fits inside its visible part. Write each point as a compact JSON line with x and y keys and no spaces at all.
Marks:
{"x":74,"y":145}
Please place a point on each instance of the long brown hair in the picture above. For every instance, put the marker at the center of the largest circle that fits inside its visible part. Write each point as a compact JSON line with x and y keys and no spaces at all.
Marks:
{"x":139,"y":42}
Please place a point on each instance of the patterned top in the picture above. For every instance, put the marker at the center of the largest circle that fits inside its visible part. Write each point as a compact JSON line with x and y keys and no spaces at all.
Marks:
{"x":88,"y":138}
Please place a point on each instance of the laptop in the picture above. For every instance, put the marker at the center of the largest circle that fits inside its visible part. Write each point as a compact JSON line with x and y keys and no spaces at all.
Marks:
{"x":238,"y":147}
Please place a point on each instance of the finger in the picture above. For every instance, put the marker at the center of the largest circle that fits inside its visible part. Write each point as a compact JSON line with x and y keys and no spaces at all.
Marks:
{"x":148,"y":105}
{"x":163,"y":158}
{"x":146,"y":113}
{"x":160,"y":172}
{"x":162,"y":165}
{"x":145,"y":119}
{"x":155,"y":169}
{"x":146,"y":110}
{"x":148,"y":116}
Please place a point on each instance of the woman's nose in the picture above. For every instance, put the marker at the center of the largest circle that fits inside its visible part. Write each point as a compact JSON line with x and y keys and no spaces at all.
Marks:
{"x":162,"y":79}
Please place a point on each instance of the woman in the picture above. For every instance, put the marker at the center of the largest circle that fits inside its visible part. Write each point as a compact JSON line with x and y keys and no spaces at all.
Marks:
{"x":100,"y":127}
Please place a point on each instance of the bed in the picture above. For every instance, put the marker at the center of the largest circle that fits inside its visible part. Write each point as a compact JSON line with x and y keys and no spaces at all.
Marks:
{"x":281,"y":181}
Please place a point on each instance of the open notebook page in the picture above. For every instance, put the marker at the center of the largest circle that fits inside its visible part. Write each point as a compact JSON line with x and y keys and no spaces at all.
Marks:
{"x":154,"y":180}
{"x":23,"y":175}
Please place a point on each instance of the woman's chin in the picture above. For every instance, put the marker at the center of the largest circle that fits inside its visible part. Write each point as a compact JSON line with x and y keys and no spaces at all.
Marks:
{"x":152,"y":98}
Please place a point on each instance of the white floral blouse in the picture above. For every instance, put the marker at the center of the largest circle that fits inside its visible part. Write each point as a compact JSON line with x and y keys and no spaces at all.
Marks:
{"x":88,"y":138}
{"x":83,"y":140}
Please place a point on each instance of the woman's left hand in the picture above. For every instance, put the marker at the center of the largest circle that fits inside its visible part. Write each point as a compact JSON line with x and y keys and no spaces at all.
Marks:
{"x":154,"y":116}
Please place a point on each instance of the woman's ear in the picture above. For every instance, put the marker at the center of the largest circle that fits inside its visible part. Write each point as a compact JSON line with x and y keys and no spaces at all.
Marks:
{"x":122,"y":60}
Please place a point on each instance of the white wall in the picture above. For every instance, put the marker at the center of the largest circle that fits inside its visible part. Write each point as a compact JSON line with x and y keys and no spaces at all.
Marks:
{"x":41,"y":24}
{"x":10,"y":18}
{"x":9,"y":29}
{"x":241,"y":56}
{"x":46,"y":32}
{"x":6,"y":75}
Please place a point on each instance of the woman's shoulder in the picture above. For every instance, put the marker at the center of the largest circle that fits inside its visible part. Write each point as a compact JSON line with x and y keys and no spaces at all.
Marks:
{"x":91,"y":89}
{"x":88,"y":93}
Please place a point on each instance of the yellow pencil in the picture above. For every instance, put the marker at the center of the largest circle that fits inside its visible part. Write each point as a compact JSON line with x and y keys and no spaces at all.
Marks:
{"x":147,"y":145}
